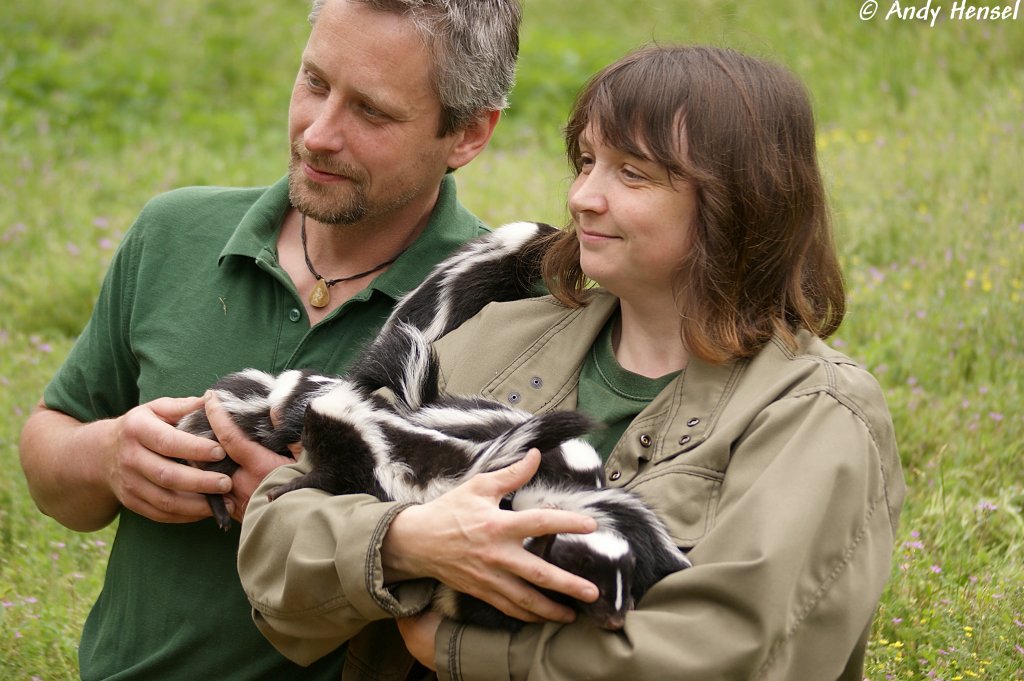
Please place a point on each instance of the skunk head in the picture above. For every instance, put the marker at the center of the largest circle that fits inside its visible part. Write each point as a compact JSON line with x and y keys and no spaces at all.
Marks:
{"x":603,"y":558}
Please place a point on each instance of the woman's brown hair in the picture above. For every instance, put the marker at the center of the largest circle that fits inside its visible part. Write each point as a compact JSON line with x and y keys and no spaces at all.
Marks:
{"x":761,"y":259}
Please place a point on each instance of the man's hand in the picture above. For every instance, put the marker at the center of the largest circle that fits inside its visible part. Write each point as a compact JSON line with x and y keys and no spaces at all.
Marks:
{"x":463,"y":539}
{"x":144,"y":468}
{"x":255,"y":461}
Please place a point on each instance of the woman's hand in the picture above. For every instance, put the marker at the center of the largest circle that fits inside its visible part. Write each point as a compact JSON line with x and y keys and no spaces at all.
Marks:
{"x":464,"y":540}
{"x":419,"y":633}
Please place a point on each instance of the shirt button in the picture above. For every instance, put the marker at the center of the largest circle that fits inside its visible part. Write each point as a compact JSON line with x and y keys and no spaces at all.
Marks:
{"x":684,"y":439}
{"x":645,"y":440}
{"x":295,"y":314}
{"x":514,"y":397}
{"x":615,"y":475}
{"x":536,"y":382}
{"x":692,"y":422}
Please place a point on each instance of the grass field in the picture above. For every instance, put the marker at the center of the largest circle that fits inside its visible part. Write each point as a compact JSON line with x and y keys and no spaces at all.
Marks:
{"x":921,"y":132}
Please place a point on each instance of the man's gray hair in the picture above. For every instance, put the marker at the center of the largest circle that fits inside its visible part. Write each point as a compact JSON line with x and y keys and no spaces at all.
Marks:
{"x":475,"y":44}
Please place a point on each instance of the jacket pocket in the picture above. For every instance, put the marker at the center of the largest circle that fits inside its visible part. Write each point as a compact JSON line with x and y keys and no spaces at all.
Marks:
{"x":685,"y":497}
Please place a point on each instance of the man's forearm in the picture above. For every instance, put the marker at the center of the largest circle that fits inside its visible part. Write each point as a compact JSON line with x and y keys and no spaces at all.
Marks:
{"x":63,"y":463}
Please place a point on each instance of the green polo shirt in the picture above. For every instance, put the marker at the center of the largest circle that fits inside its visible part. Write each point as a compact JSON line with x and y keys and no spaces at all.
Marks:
{"x":195,"y":292}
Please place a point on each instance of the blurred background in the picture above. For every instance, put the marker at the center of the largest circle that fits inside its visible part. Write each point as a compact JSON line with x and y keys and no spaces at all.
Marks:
{"x":921,"y":135}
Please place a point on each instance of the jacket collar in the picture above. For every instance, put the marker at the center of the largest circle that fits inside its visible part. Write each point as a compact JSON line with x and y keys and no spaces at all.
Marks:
{"x":681,"y":417}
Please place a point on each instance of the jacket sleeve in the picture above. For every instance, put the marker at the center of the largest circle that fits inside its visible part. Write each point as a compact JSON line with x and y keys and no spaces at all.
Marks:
{"x":311,"y":568}
{"x":784,"y":583}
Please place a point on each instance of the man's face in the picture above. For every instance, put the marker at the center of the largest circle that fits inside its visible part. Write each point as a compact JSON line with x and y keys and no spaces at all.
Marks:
{"x":363,"y":120}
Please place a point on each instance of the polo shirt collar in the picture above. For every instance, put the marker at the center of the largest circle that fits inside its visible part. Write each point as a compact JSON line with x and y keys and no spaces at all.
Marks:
{"x":257,"y":231}
{"x":450,"y":226}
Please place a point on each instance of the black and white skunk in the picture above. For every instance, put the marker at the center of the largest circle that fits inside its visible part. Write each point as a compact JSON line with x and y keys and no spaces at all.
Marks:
{"x":249,"y":396}
{"x":361,"y":443}
{"x":628,"y":553}
{"x":357,"y":441}
{"x":500,"y":266}
{"x":625,"y":556}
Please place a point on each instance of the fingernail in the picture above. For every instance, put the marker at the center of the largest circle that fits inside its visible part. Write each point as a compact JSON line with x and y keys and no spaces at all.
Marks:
{"x":218,"y":453}
{"x":225,"y":485}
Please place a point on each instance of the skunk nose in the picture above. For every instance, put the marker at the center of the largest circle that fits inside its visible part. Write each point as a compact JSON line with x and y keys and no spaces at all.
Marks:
{"x":614,"y":622}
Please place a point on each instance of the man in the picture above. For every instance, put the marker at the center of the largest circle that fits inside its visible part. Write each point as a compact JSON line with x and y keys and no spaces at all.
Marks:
{"x":390,"y":96}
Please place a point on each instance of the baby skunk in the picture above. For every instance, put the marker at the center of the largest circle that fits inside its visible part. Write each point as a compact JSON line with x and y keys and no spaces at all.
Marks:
{"x":362,"y":443}
{"x":500,"y":266}
{"x":630,"y":551}
{"x":249,"y":396}
{"x":359,"y":443}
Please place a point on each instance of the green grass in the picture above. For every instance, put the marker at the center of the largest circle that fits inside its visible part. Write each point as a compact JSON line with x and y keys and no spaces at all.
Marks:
{"x":922,"y":141}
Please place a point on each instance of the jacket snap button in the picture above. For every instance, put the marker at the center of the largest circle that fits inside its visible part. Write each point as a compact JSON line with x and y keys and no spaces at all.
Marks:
{"x":645,"y":440}
{"x":692,"y":422}
{"x":684,"y":439}
{"x":514,"y":397}
{"x":615,"y":475}
{"x":536,"y":382}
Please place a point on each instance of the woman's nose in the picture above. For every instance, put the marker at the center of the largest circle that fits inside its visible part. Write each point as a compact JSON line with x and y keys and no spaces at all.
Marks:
{"x":587,"y":194}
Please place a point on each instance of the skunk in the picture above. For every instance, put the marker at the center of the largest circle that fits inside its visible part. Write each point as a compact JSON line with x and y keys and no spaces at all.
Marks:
{"x":249,"y":396}
{"x":630,"y":551}
{"x":358,"y":441}
{"x":500,"y":266}
{"x":363,"y":443}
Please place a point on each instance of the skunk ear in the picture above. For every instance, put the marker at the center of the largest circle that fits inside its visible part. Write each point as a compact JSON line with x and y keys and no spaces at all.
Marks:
{"x":541,"y":546}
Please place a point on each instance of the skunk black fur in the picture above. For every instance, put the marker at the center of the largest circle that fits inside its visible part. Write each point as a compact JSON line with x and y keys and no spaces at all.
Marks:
{"x":500,"y":266}
{"x":357,"y":441}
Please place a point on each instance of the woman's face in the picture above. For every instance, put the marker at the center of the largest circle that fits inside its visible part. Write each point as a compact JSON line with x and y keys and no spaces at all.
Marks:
{"x":632,"y":220}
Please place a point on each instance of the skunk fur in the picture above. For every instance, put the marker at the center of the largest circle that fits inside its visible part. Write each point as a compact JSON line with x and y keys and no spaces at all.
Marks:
{"x":358,"y":441}
{"x":500,"y":266}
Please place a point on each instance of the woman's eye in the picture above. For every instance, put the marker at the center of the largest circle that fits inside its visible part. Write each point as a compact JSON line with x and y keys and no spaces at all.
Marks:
{"x":632,"y":175}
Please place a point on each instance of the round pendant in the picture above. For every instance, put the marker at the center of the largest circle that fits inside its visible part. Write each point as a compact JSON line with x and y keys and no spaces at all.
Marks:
{"x":320,"y":296}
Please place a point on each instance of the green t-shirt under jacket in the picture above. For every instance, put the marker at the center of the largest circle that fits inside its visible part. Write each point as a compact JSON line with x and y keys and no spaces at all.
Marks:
{"x":195,"y":292}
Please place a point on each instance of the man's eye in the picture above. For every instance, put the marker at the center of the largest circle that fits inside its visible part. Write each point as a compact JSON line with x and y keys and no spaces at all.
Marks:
{"x":372,"y":112}
{"x":314,"y":82}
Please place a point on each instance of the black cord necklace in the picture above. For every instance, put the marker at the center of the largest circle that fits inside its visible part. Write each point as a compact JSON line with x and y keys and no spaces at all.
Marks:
{"x":321,"y":294}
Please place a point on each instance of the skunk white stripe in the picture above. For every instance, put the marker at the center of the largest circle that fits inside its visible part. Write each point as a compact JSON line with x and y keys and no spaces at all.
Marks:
{"x":618,"y":589}
{"x":345,"y":404}
{"x":580,"y":456}
{"x":505,"y":240}
{"x":606,"y":542}
{"x":456,"y":417}
{"x":284,"y":386}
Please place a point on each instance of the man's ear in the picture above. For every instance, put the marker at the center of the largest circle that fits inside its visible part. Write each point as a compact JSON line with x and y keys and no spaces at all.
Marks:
{"x":472,"y":139}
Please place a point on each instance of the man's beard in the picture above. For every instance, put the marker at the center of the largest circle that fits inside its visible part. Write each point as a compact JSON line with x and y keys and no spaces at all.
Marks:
{"x":322,"y":203}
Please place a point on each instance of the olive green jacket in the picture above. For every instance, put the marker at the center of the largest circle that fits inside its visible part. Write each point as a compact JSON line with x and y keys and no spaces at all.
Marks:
{"x":779,"y":475}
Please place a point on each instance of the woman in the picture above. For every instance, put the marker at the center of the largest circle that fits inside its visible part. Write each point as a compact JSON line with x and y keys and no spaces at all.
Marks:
{"x":698,"y":209}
